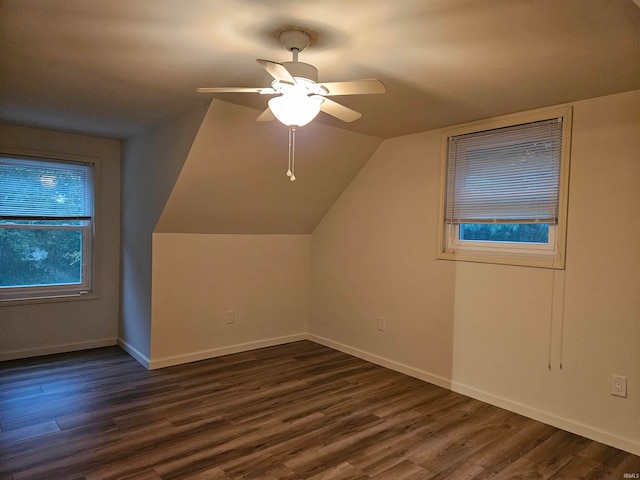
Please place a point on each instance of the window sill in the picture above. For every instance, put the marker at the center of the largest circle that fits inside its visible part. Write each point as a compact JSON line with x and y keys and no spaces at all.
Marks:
{"x":537,"y":261}
{"x":52,"y":299}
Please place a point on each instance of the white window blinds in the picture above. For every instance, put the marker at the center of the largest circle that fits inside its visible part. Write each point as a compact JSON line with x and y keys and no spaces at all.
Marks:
{"x":506,"y":175}
{"x":45,"y":190}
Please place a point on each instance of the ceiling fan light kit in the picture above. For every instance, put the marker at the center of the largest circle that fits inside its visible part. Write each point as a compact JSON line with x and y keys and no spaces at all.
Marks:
{"x":295,"y":109}
{"x":299,"y":95}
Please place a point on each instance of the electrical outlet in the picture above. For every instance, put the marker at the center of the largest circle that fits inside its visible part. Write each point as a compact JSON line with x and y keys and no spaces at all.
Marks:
{"x":382,"y":324}
{"x":230,"y":317}
{"x":619,"y":386}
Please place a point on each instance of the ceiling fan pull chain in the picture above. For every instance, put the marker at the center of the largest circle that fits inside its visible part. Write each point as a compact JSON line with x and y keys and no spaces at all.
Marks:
{"x":292,"y":153}
{"x":289,"y":170}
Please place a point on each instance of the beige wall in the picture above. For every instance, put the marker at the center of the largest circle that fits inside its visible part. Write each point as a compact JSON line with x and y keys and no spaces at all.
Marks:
{"x":489,"y":330}
{"x":234,"y":234}
{"x":197,"y":278}
{"x":373,"y":256}
{"x":41,"y":328}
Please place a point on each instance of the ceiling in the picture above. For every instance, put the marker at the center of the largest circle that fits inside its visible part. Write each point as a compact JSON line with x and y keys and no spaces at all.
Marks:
{"x":112,"y":68}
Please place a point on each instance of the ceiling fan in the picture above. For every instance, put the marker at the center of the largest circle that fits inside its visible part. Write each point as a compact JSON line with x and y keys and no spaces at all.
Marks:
{"x":299,"y":97}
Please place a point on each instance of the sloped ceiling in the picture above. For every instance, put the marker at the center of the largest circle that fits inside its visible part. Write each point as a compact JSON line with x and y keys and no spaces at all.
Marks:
{"x":112,"y":68}
{"x":233,"y":179}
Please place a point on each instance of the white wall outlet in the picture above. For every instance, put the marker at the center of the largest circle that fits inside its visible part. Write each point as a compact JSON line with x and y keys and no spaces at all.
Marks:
{"x":382,"y":324}
{"x":619,"y":386}
{"x":230,"y":317}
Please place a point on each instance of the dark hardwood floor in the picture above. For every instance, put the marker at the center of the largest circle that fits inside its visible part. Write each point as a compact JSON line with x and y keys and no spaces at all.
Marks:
{"x":288,"y":412}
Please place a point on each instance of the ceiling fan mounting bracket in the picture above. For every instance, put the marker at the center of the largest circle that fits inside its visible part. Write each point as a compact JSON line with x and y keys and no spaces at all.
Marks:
{"x":295,"y":40}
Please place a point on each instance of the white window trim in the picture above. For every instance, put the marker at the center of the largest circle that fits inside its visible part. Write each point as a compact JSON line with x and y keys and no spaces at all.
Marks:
{"x":550,"y":255}
{"x":88,"y":290}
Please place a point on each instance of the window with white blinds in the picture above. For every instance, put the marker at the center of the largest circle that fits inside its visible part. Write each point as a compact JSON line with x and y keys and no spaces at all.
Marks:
{"x":46,"y":228}
{"x":45,"y":190}
{"x":505,"y":190}
{"x":506,"y":175}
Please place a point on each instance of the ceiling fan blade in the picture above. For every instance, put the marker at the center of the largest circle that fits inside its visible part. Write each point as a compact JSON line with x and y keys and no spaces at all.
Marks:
{"x":339,"y":111}
{"x":277,"y":71}
{"x":355,"y":87}
{"x":266,"y":116}
{"x":236,"y":90}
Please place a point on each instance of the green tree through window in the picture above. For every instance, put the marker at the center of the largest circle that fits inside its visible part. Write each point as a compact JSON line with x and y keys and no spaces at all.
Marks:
{"x":505,"y":232}
{"x":39,"y":256}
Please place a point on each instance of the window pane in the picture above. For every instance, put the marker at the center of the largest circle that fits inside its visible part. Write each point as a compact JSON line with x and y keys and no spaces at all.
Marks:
{"x":505,"y":232}
{"x":37,"y":255}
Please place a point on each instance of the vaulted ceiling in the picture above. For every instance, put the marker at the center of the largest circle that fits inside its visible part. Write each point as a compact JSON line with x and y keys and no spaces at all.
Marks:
{"x":233,"y":178}
{"x":112,"y":68}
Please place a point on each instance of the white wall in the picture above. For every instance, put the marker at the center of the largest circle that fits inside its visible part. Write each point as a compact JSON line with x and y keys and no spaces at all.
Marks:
{"x":28,"y":330}
{"x":234,"y":234}
{"x":489,"y":330}
{"x":151,"y":163}
{"x":197,"y":278}
{"x":373,"y":255}
{"x":216,"y":170}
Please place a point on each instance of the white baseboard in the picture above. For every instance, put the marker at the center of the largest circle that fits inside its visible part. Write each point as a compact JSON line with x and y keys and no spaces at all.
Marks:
{"x":134,"y":352}
{"x":218,"y":352}
{"x":383,"y":362}
{"x":53,"y":349}
{"x":521,"y":409}
{"x":550,"y":419}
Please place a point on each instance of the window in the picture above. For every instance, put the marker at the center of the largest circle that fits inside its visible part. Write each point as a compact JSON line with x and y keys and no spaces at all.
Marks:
{"x":46,"y":228}
{"x":505,"y":189}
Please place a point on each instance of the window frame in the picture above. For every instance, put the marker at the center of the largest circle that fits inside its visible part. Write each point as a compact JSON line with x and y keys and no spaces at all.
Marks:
{"x":84,"y":290}
{"x":549,"y":255}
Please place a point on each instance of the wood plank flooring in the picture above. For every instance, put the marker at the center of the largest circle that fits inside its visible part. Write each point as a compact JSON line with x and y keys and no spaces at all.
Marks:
{"x":297,"y":411}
